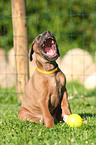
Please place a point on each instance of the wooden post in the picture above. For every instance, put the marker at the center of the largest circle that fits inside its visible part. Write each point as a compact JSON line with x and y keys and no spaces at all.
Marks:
{"x":20,"y":45}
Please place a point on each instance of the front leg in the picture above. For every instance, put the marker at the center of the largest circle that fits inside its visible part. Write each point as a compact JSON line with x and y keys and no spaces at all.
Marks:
{"x":48,"y":119}
{"x":65,"y":106}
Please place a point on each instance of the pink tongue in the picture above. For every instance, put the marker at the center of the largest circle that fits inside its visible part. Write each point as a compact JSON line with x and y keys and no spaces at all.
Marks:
{"x":47,"y":49}
{"x":51,"y":52}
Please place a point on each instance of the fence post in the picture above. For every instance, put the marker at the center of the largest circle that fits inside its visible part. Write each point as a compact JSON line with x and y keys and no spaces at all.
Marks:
{"x":20,"y":45}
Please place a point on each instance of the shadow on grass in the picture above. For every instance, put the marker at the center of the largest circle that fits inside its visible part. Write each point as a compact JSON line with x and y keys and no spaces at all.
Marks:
{"x":84,"y":115}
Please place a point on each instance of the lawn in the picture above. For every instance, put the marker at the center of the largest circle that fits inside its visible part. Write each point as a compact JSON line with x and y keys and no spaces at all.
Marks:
{"x":15,"y":132}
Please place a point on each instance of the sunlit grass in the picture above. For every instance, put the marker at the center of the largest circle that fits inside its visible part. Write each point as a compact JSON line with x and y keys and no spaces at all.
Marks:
{"x":15,"y":132}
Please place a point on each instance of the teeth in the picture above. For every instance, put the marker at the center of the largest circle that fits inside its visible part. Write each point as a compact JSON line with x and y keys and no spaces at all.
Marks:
{"x":52,"y":41}
{"x":48,"y":53}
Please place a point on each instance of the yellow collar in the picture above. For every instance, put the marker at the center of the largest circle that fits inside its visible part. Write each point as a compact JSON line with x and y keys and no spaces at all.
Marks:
{"x":46,"y":72}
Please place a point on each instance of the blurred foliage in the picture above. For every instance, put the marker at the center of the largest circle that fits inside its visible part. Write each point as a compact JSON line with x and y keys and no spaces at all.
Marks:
{"x":72,"y":22}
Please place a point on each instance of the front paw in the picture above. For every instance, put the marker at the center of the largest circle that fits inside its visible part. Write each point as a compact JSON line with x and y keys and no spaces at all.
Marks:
{"x":65,"y":117}
{"x":41,"y":121}
{"x":49,"y":122}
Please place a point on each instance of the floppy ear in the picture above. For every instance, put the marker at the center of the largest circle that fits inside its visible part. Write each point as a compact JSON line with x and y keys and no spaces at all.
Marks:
{"x":34,"y":44}
{"x":31,"y":51}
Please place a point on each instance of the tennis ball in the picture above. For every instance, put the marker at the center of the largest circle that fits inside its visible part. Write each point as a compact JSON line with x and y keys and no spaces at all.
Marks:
{"x":74,"y":120}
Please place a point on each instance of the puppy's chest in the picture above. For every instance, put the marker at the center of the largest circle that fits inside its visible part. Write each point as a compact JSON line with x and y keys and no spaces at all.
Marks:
{"x":55,"y":92}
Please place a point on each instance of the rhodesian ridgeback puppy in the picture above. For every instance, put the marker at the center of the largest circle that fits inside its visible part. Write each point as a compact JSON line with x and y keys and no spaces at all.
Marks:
{"x":45,"y":98}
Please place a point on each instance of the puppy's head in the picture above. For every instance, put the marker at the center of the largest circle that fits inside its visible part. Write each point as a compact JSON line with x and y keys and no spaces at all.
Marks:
{"x":46,"y":46}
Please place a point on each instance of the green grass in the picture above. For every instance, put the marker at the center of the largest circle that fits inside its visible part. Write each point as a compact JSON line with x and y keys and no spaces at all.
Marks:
{"x":15,"y":132}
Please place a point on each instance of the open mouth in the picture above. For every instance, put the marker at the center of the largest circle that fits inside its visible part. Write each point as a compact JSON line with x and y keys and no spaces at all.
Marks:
{"x":49,"y":48}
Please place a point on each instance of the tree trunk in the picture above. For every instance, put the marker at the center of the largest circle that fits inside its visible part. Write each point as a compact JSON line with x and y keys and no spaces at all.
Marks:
{"x":20,"y":45}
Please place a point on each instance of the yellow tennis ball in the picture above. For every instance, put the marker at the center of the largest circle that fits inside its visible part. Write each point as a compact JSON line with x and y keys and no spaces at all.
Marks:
{"x":74,"y":120}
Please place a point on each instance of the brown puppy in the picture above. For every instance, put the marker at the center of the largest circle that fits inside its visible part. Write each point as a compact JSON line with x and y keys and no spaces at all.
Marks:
{"x":45,"y":97}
